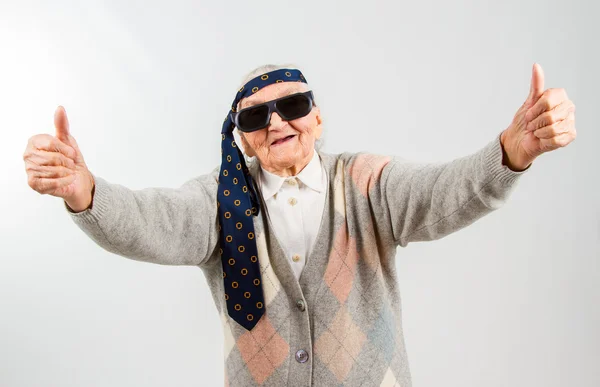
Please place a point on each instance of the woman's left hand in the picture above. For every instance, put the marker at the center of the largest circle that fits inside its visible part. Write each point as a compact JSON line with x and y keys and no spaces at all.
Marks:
{"x":545,"y":122}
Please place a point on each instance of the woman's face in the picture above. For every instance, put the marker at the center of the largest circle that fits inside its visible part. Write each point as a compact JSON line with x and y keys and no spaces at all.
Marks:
{"x":283,"y":147}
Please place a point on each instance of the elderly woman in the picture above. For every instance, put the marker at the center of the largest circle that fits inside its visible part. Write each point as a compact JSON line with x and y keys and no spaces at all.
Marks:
{"x":299,"y":247}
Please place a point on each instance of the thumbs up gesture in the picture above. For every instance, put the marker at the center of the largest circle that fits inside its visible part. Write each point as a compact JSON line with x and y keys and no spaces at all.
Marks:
{"x":55,"y":165}
{"x":545,"y":122}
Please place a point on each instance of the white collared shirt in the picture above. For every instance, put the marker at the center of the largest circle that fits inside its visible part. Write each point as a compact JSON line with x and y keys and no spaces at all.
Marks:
{"x":295,"y":207}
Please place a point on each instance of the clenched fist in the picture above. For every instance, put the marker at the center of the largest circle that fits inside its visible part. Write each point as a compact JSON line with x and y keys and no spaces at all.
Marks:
{"x":55,"y":165}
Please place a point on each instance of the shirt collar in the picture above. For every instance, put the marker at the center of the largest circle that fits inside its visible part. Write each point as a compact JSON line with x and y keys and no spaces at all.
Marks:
{"x":311,"y":176}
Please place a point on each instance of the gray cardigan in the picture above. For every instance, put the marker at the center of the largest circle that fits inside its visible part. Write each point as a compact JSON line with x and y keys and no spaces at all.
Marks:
{"x":341,"y":323}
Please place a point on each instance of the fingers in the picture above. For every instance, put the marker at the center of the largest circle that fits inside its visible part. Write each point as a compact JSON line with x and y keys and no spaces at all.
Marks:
{"x":558,"y":141}
{"x":50,"y":185}
{"x":557,"y":114}
{"x":41,"y":157}
{"x":549,"y":99}
{"x":46,"y":159}
{"x":43,"y":167}
{"x":49,"y":143}
{"x":564,"y":126}
{"x":49,"y":171}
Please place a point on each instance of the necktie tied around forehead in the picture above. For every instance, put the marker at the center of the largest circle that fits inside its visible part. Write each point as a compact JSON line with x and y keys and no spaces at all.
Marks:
{"x":237,"y":203}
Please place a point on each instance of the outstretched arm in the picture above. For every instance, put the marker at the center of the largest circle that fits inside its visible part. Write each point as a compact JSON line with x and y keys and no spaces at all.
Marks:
{"x":159,"y":225}
{"x":429,"y":201}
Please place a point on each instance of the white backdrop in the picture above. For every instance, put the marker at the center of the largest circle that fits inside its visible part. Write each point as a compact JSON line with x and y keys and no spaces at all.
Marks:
{"x":512,"y":300}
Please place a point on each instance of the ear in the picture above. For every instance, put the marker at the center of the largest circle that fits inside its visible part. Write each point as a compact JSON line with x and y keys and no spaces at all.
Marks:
{"x":247,"y":148}
{"x":319,"y":127}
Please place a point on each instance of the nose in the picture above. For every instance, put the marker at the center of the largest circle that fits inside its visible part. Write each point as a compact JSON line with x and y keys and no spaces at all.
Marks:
{"x":276,"y":121}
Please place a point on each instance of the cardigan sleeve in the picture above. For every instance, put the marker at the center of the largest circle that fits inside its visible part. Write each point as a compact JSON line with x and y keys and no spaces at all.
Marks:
{"x":427,"y":201}
{"x":167,"y":226}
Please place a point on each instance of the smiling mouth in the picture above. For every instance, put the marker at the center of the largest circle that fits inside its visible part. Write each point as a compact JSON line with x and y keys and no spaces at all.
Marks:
{"x":283,"y":140}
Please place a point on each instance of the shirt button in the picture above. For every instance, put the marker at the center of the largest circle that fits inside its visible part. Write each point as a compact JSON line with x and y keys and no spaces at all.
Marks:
{"x":301,"y":356}
{"x":292,"y":201}
{"x":291,"y":181}
{"x":300,"y":305}
{"x":296,"y":258}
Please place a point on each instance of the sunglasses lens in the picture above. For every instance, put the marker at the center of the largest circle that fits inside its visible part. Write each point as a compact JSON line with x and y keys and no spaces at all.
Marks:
{"x":294,"y":107}
{"x":253,"y":119}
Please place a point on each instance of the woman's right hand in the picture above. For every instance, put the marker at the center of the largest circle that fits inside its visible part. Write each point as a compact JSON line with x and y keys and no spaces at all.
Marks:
{"x":55,"y":165}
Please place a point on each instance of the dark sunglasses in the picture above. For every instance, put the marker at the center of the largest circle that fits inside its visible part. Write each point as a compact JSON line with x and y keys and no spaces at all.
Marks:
{"x":289,"y":108}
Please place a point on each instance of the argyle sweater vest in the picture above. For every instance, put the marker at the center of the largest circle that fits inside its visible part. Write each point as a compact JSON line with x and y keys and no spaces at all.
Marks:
{"x":341,"y":323}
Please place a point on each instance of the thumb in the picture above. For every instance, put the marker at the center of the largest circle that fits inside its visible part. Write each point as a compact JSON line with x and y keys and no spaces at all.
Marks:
{"x":61,"y":123}
{"x":537,"y":84}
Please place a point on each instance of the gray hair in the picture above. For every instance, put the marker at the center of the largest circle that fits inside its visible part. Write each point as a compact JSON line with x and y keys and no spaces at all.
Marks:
{"x":259,"y":71}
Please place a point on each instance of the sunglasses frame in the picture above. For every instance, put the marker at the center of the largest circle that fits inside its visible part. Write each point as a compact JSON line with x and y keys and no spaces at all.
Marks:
{"x":272,"y":107}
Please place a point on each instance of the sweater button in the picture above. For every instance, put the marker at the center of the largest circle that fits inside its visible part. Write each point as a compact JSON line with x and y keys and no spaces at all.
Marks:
{"x":301,"y":356}
{"x":300,"y":305}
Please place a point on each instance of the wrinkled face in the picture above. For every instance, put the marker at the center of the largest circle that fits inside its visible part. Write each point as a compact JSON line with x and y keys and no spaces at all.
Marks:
{"x":282,"y":146}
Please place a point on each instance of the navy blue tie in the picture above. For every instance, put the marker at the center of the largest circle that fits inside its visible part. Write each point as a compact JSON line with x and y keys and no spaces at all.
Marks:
{"x":237,"y":204}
